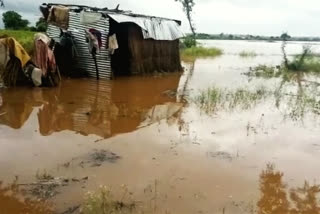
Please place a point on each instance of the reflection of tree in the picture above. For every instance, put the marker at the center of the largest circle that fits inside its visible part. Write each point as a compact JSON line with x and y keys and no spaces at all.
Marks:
{"x":10,"y":203}
{"x":182,"y":93}
{"x":305,"y":200}
{"x":304,"y":100}
{"x":274,"y":196}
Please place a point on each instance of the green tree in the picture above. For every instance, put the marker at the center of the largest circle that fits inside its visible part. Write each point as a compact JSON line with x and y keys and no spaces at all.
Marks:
{"x":41,"y":25}
{"x":1,"y":3}
{"x":188,"y":8}
{"x":13,"y":20}
{"x":285,"y":36}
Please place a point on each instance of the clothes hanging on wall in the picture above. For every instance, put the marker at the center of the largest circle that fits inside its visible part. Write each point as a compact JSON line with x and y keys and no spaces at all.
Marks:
{"x":93,"y":42}
{"x":43,"y":56}
{"x":17,"y":50}
{"x":89,"y":17}
{"x":113,"y":43}
{"x":98,"y":35}
{"x":59,"y":16}
{"x":13,"y":60}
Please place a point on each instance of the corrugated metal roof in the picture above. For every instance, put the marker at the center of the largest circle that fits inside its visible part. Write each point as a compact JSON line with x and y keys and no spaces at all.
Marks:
{"x":84,"y":57}
{"x":152,"y":27}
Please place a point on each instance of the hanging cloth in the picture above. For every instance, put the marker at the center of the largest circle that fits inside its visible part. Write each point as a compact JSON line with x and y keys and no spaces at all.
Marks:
{"x":98,"y":35}
{"x":17,"y":50}
{"x":59,"y":16}
{"x":93,"y":42}
{"x":43,"y":56}
{"x":94,"y":48}
{"x":113,"y":43}
{"x":89,"y":17}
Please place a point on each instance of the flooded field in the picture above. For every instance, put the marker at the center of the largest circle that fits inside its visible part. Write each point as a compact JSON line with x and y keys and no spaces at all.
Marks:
{"x":209,"y":140}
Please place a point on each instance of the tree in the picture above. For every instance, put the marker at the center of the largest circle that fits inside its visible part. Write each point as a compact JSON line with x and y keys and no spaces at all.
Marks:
{"x":1,"y":3}
{"x":285,"y":36}
{"x":41,"y":25}
{"x":13,"y":20}
{"x":188,"y":8}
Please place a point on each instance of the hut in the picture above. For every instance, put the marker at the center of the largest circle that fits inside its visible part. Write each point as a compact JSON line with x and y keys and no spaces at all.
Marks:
{"x":127,"y":43}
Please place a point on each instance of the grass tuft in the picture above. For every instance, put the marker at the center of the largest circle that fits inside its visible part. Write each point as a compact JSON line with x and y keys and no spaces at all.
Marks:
{"x":214,"y":99}
{"x":102,"y":202}
{"x":190,"y":54}
{"x":248,"y":54}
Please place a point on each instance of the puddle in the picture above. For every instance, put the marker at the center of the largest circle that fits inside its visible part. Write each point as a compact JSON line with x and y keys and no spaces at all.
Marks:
{"x":147,"y":134}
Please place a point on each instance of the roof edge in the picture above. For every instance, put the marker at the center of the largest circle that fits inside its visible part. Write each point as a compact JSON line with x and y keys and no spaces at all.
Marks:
{"x":107,"y":11}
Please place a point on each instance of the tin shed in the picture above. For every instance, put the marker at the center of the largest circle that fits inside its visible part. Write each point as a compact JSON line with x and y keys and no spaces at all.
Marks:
{"x":140,"y":44}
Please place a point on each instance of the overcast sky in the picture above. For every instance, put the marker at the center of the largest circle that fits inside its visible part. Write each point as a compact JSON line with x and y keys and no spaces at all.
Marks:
{"x":257,"y":17}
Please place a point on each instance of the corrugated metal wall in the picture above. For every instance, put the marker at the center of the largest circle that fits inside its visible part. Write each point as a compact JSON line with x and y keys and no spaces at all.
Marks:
{"x":85,"y":59}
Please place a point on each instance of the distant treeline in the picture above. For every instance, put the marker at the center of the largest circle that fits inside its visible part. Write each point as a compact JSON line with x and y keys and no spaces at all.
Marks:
{"x":223,"y":36}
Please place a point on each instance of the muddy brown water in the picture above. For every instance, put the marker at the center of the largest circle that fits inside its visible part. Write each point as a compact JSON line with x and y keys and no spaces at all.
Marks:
{"x":145,"y":133}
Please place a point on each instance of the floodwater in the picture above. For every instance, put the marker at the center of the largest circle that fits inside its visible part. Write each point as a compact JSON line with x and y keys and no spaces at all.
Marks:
{"x":172,"y":156}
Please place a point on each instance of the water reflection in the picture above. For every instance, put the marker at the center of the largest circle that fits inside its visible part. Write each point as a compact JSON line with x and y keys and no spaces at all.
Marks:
{"x":103,"y":108}
{"x":12,"y":203}
{"x":277,"y":198}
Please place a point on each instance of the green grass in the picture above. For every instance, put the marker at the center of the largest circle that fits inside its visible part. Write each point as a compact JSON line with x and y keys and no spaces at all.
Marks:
{"x":103,"y":202}
{"x":25,"y":38}
{"x":308,"y":64}
{"x":292,"y":105}
{"x":190,"y":54}
{"x":265,"y":71}
{"x":214,"y":99}
{"x":248,"y":54}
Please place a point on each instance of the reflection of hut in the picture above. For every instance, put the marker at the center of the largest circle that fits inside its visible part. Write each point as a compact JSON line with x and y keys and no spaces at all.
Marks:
{"x":103,"y":108}
{"x":129,"y":44}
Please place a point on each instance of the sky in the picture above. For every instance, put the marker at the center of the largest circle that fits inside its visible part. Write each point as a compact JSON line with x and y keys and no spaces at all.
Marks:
{"x":256,"y":17}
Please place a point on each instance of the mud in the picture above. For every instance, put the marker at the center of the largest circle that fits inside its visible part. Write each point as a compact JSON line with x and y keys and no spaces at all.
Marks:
{"x":146,"y":133}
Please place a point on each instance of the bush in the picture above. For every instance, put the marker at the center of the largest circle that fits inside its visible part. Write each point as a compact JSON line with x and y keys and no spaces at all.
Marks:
{"x":192,"y":53}
{"x":188,"y":42}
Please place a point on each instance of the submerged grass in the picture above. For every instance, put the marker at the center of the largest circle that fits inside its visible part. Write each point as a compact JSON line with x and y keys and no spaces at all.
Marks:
{"x":102,"y":202}
{"x":25,"y":38}
{"x":190,"y":54}
{"x":291,"y":105}
{"x":214,"y":99}
{"x":310,"y":65}
{"x":248,"y":54}
{"x":265,"y":71}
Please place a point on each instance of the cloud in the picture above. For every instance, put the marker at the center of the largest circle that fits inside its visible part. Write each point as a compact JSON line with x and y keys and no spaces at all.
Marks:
{"x":270,"y":17}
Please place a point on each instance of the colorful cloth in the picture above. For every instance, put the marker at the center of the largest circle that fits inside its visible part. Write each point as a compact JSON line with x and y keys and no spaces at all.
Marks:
{"x":93,"y":43}
{"x":16,"y":50}
{"x":98,"y":35}
{"x":43,"y":55}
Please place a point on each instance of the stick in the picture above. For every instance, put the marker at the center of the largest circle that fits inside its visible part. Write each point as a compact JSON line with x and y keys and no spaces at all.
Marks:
{"x":95,"y":63}
{"x":59,"y":75}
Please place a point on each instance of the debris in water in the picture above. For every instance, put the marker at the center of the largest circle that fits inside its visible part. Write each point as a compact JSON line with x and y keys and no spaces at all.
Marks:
{"x":220,"y":155}
{"x":46,"y":188}
{"x":98,"y":157}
